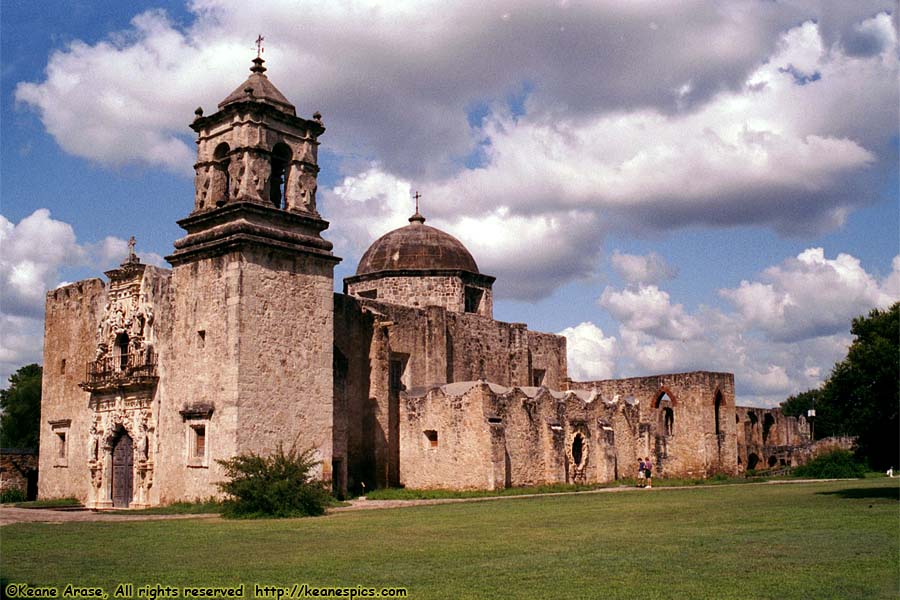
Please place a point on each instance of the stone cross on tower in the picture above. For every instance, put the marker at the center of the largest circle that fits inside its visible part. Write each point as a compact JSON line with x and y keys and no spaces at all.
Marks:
{"x":417,"y":196}
{"x":259,"y":47}
{"x":132,"y":257}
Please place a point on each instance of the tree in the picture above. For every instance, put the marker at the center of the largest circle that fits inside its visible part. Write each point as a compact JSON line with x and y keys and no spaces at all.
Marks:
{"x":796,"y":406}
{"x":861,"y":397}
{"x":21,"y":405}
{"x":863,"y":392}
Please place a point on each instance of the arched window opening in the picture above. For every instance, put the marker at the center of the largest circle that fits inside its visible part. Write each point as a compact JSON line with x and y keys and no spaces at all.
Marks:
{"x":668,"y":420}
{"x":718,"y":412}
{"x":752,"y":461}
{"x":221,"y":179}
{"x":768,"y":423}
{"x":663,"y":399}
{"x":281,"y":158}
{"x":121,"y":346}
{"x":772,"y":461}
{"x":577,"y":449}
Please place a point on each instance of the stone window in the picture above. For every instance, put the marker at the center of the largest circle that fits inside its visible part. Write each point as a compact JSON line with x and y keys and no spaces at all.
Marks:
{"x":199,"y":449}
{"x":201,"y":338}
{"x":197,"y":432}
{"x":62,"y":367}
{"x":371,"y":294}
{"x":432,"y":436}
{"x":60,"y":429}
{"x":668,"y":421}
{"x":197,"y":446}
{"x":768,"y":422}
{"x":537,"y":377}
{"x":473,"y":299}
{"x":121,"y":350}
{"x":663,"y":399}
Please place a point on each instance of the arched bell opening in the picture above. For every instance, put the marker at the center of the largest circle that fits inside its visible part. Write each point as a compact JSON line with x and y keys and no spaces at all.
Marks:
{"x":221,"y":179}
{"x":281,"y":159}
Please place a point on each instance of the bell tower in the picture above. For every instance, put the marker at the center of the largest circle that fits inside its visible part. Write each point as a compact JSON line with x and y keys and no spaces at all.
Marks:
{"x":253,"y":287}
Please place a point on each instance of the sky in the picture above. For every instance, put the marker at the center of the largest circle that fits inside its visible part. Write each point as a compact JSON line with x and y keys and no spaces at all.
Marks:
{"x":673,"y":186}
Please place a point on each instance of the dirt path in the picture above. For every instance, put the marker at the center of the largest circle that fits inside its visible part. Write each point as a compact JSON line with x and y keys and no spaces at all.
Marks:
{"x":9,"y":515}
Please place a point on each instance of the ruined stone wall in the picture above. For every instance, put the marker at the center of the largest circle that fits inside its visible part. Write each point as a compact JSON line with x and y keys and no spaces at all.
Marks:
{"x":286,"y":340}
{"x":766,"y":438}
{"x":420,"y":291}
{"x":548,"y":354}
{"x":694,"y":443}
{"x":71,"y":317}
{"x":17,"y":467}
{"x":484,"y":436}
{"x":431,"y":346}
{"x":439,"y":346}
{"x":487,"y":350}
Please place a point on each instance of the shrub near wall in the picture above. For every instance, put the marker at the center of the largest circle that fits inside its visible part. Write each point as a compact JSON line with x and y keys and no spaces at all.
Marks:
{"x":838,"y":464}
{"x":279,"y":485}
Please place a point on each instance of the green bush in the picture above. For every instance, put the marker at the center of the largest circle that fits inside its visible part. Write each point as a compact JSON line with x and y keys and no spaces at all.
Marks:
{"x":11,"y":495}
{"x":279,"y":485}
{"x":838,"y":464}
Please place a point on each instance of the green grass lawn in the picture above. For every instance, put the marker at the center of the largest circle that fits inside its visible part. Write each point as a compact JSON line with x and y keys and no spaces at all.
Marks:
{"x":798,"y":540}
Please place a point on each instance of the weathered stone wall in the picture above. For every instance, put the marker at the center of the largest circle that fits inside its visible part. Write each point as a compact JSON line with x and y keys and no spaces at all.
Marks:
{"x":200,"y":372}
{"x":18,"y":471}
{"x":355,"y":423}
{"x":420,"y":291}
{"x":71,"y":317}
{"x":700,"y":439}
{"x":548,"y":354}
{"x":286,"y":340}
{"x":430,"y":346}
{"x":253,"y":342}
{"x":766,"y":438}
{"x":485,"y":436}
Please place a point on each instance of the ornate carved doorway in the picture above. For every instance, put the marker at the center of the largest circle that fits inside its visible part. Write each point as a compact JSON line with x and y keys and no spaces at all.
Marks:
{"x":123,"y":471}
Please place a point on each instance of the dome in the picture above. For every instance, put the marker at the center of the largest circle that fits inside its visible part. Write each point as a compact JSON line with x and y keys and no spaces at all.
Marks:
{"x":416,"y":247}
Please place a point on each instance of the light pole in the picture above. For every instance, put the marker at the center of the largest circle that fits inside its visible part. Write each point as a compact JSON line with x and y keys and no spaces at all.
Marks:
{"x":811,"y":417}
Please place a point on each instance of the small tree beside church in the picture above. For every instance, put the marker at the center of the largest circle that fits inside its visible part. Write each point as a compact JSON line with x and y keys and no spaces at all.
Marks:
{"x":278,"y":485}
{"x":21,"y":406}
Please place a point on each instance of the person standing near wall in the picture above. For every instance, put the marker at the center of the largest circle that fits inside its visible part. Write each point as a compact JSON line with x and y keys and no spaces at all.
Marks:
{"x":640,"y":474}
{"x":648,"y":472}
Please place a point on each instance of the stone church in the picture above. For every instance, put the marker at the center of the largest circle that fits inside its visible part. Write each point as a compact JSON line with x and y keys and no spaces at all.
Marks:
{"x":404,"y":379}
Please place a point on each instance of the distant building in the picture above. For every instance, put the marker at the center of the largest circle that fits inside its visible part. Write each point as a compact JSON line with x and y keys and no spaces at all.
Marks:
{"x":404,"y":379}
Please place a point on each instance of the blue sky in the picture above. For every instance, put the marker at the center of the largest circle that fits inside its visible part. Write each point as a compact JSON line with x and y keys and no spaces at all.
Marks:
{"x":673,"y":188}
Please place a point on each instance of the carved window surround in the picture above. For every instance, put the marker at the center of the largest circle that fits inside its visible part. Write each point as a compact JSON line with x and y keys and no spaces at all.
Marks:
{"x":60,"y":428}
{"x":197,"y":434}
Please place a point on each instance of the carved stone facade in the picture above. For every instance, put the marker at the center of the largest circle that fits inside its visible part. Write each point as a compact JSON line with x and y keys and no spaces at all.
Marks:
{"x":405,"y":379}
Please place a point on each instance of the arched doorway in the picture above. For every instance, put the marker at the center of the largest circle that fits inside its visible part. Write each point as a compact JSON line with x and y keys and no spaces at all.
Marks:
{"x":577,"y":449}
{"x":123,"y":471}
